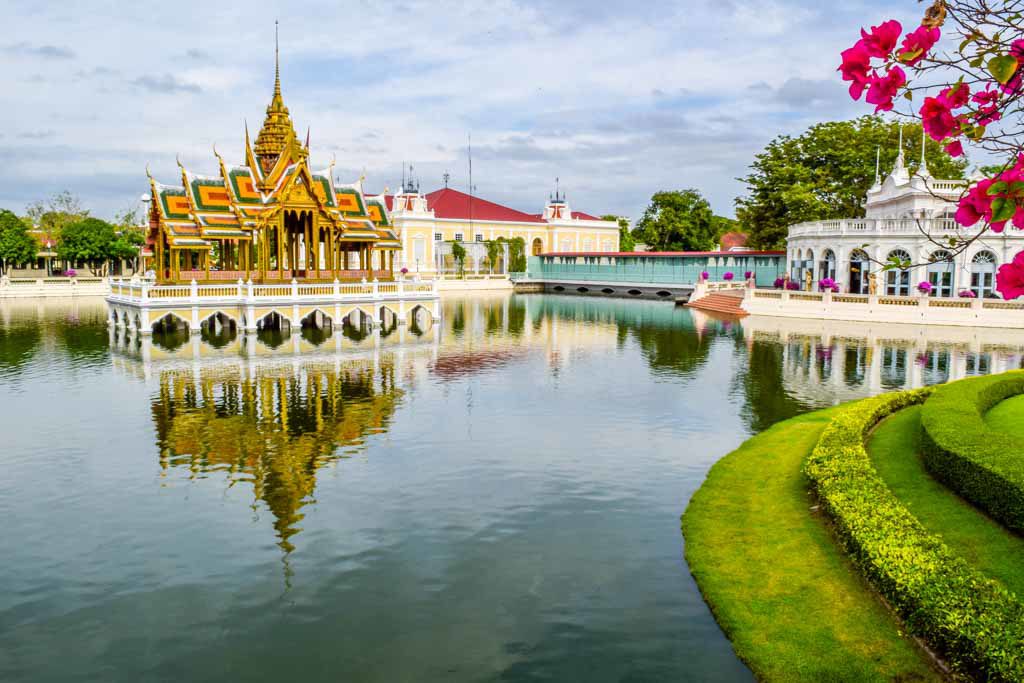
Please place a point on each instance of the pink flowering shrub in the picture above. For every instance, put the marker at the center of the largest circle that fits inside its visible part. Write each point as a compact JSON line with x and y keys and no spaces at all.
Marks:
{"x":727,"y":276}
{"x":925,"y":287}
{"x":967,"y":294}
{"x":988,"y":67}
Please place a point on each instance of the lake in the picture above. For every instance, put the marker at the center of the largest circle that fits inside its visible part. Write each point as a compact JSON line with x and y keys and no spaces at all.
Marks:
{"x":493,"y":498}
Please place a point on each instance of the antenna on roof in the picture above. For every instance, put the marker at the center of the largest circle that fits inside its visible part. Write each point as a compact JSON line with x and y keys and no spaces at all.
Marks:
{"x":469,"y":139}
{"x":446,"y":177}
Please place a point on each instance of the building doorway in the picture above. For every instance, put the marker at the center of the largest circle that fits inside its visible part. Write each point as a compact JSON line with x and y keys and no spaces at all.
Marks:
{"x":538,"y":247}
{"x":859,"y":269}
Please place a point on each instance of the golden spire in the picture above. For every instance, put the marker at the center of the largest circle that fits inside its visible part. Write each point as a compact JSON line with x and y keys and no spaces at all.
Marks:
{"x":271,"y":139}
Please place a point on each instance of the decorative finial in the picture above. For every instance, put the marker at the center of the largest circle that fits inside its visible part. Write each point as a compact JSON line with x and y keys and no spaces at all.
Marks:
{"x":215,"y":151}
{"x":900,"y":161}
{"x":878,"y":162}
{"x":177,"y":157}
{"x":923,"y":169}
{"x":307,"y":138}
{"x":148,"y":174}
{"x":277,"y":62}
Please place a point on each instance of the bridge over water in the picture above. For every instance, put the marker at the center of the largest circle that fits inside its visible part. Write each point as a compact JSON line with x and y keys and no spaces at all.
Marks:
{"x":657,"y":275}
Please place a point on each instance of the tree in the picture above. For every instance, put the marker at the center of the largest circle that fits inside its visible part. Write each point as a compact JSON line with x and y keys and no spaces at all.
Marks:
{"x":723,"y":225}
{"x":679,"y":220}
{"x":516,"y":254}
{"x":90,"y":240}
{"x":126,"y":246}
{"x":16,"y":245}
{"x":60,"y":210}
{"x":825,"y":173}
{"x":459,"y":254}
{"x":626,"y":241}
{"x":971,"y":95}
{"x":495,"y":251}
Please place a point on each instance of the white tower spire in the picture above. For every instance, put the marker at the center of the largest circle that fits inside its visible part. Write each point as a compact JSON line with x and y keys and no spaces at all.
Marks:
{"x":923,"y":169}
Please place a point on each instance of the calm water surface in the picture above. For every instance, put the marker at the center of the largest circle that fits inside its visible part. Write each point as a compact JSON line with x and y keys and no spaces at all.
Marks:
{"x":494,"y":498}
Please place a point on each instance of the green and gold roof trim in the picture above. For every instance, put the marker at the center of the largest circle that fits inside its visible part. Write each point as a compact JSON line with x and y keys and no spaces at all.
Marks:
{"x":274,"y":176}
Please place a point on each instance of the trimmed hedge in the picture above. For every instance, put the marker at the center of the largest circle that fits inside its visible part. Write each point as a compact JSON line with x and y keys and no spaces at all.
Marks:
{"x":975,"y":623}
{"x":959,"y":449}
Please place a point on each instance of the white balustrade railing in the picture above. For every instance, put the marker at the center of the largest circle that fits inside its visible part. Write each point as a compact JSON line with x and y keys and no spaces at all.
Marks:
{"x":138,"y":291}
{"x":878,"y":226}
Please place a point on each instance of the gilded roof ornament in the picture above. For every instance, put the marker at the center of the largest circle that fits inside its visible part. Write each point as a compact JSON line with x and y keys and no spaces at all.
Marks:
{"x":273,"y":137}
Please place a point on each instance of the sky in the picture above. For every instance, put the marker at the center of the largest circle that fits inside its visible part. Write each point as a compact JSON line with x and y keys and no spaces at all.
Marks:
{"x":616,"y":100}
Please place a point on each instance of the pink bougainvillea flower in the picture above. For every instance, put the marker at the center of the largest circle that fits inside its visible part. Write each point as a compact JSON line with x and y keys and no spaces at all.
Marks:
{"x":883,"y":89}
{"x":1017,"y":50}
{"x":856,"y":62}
{"x":1013,"y":86}
{"x":1018,"y":218}
{"x":985,"y":98}
{"x":957,"y":95}
{"x":882,"y":39}
{"x":988,"y":106}
{"x":916,"y":45}
{"x":955,"y":149}
{"x":938,"y":119}
{"x":1010,"y":278}
{"x":975,"y":205}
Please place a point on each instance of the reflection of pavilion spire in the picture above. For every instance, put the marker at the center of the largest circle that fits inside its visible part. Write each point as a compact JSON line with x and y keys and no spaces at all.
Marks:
{"x":274,"y":429}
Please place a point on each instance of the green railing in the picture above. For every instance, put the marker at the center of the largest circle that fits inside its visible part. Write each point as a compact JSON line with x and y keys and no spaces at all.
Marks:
{"x":667,"y":270}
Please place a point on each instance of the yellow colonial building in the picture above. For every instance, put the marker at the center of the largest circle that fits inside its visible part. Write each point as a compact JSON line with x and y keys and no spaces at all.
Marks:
{"x":273,"y":218}
{"x":427,"y":224}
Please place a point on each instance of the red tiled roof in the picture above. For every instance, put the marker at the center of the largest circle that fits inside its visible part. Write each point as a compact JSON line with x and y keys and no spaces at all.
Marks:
{"x":733,"y":239}
{"x":449,"y":203}
{"x":584,"y":216}
{"x":735,"y":254}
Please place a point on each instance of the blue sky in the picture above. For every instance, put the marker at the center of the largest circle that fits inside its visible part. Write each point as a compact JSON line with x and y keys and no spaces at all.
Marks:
{"x":618,"y":104}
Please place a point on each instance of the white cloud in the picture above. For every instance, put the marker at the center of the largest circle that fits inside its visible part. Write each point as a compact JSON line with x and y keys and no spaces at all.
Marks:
{"x":547,"y":89}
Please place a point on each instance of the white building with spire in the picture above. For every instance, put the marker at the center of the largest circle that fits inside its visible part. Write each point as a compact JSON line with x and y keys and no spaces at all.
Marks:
{"x":907,"y":216}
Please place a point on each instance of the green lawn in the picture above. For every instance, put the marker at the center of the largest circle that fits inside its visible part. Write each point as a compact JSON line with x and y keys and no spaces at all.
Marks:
{"x":1008,"y":416}
{"x":978,"y":539}
{"x":776,"y":580}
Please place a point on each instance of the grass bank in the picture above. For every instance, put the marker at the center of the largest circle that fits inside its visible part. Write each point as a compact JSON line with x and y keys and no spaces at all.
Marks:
{"x":983,"y":542}
{"x":778,"y":584}
{"x":1007,"y":417}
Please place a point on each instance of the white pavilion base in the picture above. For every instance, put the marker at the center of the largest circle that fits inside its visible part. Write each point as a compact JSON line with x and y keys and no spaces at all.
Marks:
{"x":141,"y":305}
{"x":919,"y":310}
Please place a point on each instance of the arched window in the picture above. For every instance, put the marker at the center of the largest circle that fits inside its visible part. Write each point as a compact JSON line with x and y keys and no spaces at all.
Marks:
{"x":860,"y":268}
{"x":827,"y":267}
{"x":897,"y":281}
{"x":983,"y":274}
{"x":941,"y":273}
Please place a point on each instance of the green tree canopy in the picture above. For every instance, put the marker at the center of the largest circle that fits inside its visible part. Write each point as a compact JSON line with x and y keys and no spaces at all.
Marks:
{"x":679,"y":220}
{"x":626,"y":241}
{"x":825,"y":174}
{"x":90,"y":240}
{"x":16,"y":245}
{"x":52,"y":216}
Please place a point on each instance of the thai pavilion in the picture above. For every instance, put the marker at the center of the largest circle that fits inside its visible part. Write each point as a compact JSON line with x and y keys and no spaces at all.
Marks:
{"x":271,"y":219}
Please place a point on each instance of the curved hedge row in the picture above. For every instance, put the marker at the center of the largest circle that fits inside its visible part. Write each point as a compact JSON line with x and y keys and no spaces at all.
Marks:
{"x":975,"y":623}
{"x":959,"y":449}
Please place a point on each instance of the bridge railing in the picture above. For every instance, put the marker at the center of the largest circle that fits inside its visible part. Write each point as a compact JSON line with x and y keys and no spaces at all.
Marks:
{"x":141,"y":291}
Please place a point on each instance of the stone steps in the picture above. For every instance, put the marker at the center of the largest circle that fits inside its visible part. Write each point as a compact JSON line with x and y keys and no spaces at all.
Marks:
{"x":721,"y":302}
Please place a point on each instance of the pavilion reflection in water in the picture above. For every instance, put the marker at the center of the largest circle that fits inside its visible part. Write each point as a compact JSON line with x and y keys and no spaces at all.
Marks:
{"x":273,"y":425}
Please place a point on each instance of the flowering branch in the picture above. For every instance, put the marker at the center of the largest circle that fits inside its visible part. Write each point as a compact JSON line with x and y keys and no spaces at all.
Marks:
{"x":973,"y":95}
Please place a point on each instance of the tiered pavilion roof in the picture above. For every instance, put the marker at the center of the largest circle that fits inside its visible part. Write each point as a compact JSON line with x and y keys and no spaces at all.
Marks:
{"x":272,"y":217}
